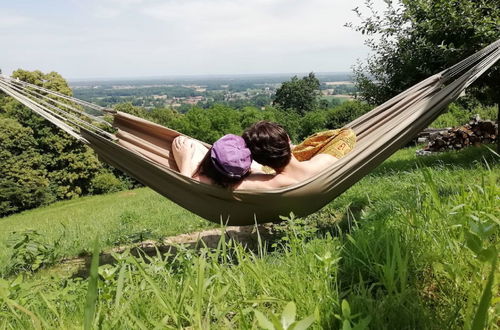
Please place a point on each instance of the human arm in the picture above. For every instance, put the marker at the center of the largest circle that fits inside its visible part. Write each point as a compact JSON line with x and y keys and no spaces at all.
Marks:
{"x":188,"y":154}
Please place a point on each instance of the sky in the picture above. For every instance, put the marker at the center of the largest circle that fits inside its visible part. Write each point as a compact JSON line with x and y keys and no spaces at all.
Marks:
{"x":152,"y":38}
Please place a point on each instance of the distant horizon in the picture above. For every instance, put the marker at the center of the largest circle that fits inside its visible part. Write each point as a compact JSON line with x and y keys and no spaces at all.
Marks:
{"x":204,"y":76}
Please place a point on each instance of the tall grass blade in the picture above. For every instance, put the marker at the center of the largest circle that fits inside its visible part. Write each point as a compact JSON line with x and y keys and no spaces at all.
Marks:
{"x":481,"y":317}
{"x":91,"y":300}
{"x":34,"y":320}
{"x":119,"y":286}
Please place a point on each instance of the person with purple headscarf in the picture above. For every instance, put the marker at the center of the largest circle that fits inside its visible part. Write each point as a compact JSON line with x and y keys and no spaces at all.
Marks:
{"x":226,"y":163}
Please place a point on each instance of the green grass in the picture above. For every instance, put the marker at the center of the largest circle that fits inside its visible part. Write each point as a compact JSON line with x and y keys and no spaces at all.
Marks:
{"x":412,"y":245}
{"x":113,"y":219}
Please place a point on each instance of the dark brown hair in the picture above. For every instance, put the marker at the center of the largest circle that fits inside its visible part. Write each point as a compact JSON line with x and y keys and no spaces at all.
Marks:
{"x":208,"y":169}
{"x":269,"y":144}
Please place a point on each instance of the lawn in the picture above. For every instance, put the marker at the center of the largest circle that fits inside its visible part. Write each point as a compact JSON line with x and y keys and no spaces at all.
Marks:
{"x":412,"y":245}
{"x":113,"y":219}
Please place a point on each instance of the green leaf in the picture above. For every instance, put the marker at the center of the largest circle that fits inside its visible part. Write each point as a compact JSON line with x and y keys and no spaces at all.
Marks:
{"x":346,"y":325}
{"x":473,"y":242}
{"x":119,"y":286}
{"x":304,"y":323}
{"x":288,"y":316}
{"x":276,"y":322}
{"x":263,"y":321}
{"x":346,"y":310}
{"x":487,"y":254}
{"x":481,"y":316}
{"x":363,"y":324}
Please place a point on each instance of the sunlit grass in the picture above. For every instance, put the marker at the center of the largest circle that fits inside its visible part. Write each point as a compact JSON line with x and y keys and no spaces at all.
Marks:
{"x":394,"y":252}
{"x":112,"y":219}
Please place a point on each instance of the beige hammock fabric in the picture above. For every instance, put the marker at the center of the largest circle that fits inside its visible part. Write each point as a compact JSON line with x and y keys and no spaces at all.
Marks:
{"x":143,"y":149}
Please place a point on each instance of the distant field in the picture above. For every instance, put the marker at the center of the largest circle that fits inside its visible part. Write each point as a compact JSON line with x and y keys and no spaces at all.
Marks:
{"x":342,"y":98}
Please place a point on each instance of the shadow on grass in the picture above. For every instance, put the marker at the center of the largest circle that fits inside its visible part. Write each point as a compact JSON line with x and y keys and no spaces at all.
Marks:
{"x":335,"y":220}
{"x":248,"y":236}
{"x":463,"y":158}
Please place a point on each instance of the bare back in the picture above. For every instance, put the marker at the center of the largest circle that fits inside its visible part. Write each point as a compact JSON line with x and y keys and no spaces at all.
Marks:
{"x":293,"y":173}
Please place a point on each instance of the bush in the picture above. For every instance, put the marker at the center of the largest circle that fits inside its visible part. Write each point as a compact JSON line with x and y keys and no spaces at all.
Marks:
{"x":251,"y":115}
{"x":66,"y":163}
{"x":23,"y":184}
{"x":457,"y":115}
{"x":313,"y":122}
{"x":106,"y":182}
{"x":345,"y":113}
{"x":291,"y":121}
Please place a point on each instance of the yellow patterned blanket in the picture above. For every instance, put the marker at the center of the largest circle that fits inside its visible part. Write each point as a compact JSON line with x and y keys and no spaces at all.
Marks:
{"x":337,"y":142}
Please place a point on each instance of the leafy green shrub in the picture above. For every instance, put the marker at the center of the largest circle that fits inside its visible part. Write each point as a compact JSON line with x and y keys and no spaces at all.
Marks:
{"x":40,"y":163}
{"x":23,"y":182}
{"x":210,"y":124}
{"x":291,"y":121}
{"x":106,"y":182}
{"x":30,"y":253}
{"x":251,"y":115}
{"x":313,"y":122}
{"x":345,"y":113}
{"x":457,"y":115}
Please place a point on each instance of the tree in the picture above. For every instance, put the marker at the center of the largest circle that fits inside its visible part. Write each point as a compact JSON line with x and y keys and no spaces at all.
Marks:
{"x":70,"y":165}
{"x":165,"y":116}
{"x":413,"y":39}
{"x":128,"y":107}
{"x":210,"y":124}
{"x":299,"y":95}
{"x":251,"y":115}
{"x":23,"y":182}
{"x":40,"y":163}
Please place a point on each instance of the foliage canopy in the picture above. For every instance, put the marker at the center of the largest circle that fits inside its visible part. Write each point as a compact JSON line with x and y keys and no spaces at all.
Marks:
{"x":41,"y":163}
{"x":299,"y":95}
{"x":413,"y":39}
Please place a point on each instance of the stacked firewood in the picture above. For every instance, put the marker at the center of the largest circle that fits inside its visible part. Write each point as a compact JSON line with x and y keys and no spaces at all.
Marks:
{"x":475,"y":132}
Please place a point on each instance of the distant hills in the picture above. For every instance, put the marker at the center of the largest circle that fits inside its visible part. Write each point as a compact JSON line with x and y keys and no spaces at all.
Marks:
{"x":207,"y":79}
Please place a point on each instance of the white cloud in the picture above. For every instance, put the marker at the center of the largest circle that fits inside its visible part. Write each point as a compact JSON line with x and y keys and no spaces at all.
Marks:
{"x":12,"y":20}
{"x":264,"y":24}
{"x":112,"y":8}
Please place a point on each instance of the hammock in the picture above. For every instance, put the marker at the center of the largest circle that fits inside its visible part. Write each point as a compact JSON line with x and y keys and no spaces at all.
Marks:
{"x":143,"y":149}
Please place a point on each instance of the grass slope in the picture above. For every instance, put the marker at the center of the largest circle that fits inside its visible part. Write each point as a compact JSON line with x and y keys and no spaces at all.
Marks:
{"x":113,"y":219}
{"x":412,"y":245}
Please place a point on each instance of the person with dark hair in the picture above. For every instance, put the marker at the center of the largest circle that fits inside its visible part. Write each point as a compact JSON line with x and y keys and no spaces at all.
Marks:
{"x":271,"y":146}
{"x":226,"y":163}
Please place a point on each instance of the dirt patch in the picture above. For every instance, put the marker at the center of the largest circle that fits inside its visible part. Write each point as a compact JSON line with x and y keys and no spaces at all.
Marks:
{"x":248,"y":236}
